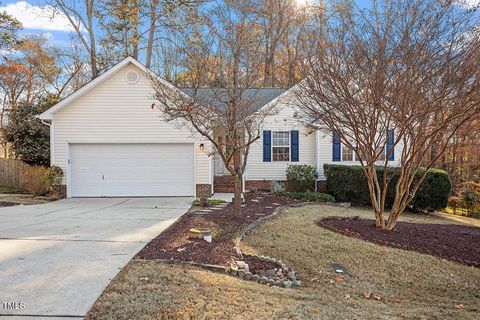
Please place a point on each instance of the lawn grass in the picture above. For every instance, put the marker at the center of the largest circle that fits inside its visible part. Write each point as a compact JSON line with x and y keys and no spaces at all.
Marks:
{"x":14,"y":196}
{"x":411,"y":285}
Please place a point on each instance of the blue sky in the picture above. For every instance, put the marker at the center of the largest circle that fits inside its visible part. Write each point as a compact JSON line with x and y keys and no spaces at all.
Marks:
{"x":36,"y":18}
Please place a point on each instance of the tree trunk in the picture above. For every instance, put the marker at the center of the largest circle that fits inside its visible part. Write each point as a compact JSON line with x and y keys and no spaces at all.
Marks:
{"x":151,"y":33}
{"x":91,"y":34}
{"x":136,"y":36}
{"x":237,"y":202}
{"x":376,"y":197}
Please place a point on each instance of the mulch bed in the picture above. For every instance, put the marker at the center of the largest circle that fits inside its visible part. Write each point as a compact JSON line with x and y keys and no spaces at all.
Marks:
{"x":174,"y":243}
{"x":458,"y":243}
{"x":8,"y":204}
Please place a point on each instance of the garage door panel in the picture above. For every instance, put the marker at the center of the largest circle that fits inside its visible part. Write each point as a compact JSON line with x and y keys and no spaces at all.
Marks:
{"x":132,"y":170}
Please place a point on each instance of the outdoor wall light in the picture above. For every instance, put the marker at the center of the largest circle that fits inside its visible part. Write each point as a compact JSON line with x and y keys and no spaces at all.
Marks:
{"x":202,"y":146}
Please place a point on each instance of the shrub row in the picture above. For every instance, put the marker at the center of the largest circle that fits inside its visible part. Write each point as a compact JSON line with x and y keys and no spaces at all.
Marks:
{"x":348,"y":183}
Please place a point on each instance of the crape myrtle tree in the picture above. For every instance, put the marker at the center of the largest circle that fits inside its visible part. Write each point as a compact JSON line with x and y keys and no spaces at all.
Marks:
{"x":398,"y":73}
{"x":224,"y":54}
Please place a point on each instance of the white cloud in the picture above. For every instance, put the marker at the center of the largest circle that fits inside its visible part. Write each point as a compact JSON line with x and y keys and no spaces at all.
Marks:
{"x":38,"y":17}
{"x":469,"y":3}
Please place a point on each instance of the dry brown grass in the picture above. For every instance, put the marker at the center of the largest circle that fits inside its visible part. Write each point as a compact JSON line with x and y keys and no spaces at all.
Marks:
{"x":411,"y":285}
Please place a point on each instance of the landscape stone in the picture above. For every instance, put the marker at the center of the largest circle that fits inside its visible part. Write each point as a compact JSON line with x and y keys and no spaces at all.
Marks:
{"x":287,"y":284}
{"x":271,"y":272}
{"x":263,"y":280}
{"x":256,"y":277}
{"x":248,"y":276}
{"x":241,"y":273}
{"x":291,"y":275}
{"x":271,"y":282}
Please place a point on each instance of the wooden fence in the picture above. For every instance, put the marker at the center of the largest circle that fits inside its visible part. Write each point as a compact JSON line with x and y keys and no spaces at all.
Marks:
{"x":21,"y":176}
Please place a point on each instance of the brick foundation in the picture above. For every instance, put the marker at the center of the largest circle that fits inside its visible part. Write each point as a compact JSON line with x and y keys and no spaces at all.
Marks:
{"x":204,"y":190}
{"x":224,"y":184}
{"x":260,"y":185}
{"x":321,"y":186}
{"x":62,"y":191}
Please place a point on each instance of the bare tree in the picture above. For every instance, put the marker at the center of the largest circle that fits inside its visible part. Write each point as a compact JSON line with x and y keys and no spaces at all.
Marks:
{"x":400,"y":73}
{"x":229,"y":109}
{"x":81,"y":15}
{"x":165,"y":13}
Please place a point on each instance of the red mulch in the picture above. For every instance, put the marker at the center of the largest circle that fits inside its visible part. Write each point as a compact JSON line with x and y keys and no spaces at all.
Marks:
{"x":256,"y":265}
{"x":458,"y":243}
{"x":174,"y":243}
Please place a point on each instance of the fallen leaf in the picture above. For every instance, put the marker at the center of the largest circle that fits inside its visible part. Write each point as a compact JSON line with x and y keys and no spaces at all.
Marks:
{"x":377,"y":297}
{"x":459,"y":306}
{"x":339,"y":279}
{"x":367,"y":294}
{"x":397,"y":301}
{"x":347,"y":296}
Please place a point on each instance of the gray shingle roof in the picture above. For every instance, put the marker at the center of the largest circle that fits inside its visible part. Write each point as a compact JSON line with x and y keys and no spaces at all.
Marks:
{"x":254,"y":98}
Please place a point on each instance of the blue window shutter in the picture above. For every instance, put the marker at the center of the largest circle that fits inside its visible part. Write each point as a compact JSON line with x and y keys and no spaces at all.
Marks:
{"x":390,"y":142}
{"x":294,"y":145}
{"x":267,"y":146}
{"x":336,"y":147}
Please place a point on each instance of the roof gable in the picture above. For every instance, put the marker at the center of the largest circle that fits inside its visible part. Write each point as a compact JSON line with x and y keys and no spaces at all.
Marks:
{"x":49,"y":114}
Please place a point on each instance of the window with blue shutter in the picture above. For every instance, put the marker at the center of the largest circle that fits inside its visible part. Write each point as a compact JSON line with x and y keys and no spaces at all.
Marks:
{"x":336,"y":146}
{"x":390,"y":143}
{"x":267,"y":146}
{"x":294,"y":145}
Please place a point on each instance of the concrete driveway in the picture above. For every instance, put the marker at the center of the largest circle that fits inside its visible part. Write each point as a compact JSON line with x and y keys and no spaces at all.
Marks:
{"x":57,"y":258}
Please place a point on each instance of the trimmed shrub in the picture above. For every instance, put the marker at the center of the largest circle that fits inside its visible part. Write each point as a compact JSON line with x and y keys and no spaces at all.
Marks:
{"x":348,"y":183}
{"x":310,"y":196}
{"x":53,"y":178}
{"x":301,"y":177}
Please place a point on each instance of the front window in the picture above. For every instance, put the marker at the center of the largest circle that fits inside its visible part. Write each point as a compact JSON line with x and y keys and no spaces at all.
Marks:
{"x":281,"y":146}
{"x":347,"y":153}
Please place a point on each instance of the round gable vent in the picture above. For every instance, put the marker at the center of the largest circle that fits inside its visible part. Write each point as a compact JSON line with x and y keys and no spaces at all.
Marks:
{"x":132,"y":77}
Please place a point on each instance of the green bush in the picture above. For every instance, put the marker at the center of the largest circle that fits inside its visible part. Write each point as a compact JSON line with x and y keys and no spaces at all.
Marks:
{"x":28,"y":136}
{"x":348,"y":183}
{"x":53,"y":177}
{"x":301,"y":177}
{"x":310,"y":196}
{"x":470,"y":196}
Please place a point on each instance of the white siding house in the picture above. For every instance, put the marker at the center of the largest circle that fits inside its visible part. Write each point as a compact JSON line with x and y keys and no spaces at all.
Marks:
{"x":110,"y":142}
{"x":285,"y":119}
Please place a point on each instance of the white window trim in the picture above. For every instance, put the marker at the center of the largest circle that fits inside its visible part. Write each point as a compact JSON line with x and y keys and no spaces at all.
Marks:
{"x":354,"y":155}
{"x":289,"y":146}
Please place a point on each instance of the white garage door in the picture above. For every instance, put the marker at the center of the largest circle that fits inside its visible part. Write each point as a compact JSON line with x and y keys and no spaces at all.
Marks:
{"x":131,"y":170}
